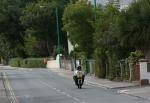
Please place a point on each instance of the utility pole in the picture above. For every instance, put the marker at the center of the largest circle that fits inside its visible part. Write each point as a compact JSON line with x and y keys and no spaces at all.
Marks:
{"x":58,"y":31}
{"x":95,"y":7}
{"x":95,"y":4}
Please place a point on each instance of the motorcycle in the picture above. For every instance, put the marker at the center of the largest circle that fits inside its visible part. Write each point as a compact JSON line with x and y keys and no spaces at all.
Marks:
{"x":79,"y":79}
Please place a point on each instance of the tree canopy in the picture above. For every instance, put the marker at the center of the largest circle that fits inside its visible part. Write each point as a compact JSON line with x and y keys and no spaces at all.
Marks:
{"x":21,"y":18}
{"x":134,"y":25}
{"x":78,"y":18}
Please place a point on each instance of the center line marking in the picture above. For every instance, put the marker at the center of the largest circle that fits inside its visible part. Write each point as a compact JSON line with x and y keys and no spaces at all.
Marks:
{"x":61,"y":92}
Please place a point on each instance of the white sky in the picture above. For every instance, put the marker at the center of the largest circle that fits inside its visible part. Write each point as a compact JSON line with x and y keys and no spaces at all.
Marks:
{"x":104,"y":2}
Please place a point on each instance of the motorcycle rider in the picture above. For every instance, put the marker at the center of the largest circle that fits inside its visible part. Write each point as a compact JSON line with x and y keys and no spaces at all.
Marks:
{"x":79,"y":68}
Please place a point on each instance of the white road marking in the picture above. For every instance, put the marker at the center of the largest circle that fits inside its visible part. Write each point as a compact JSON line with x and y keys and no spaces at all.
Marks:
{"x":96,"y":85}
{"x":12,"y":95}
{"x":23,"y":71}
{"x":86,"y":81}
{"x":68,"y":95}
{"x":122,"y":91}
{"x":61,"y":92}
{"x":58,"y":90}
{"x":76,"y":99}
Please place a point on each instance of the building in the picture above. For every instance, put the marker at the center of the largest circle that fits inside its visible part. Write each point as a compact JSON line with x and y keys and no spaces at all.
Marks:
{"x":121,"y":4}
{"x":70,"y":46}
{"x":125,"y":3}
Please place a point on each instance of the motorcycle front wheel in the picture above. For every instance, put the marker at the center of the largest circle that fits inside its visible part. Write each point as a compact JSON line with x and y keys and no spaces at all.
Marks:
{"x":79,"y":84}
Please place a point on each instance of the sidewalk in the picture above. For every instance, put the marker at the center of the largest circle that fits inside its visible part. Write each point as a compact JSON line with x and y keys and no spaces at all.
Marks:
{"x":105,"y":83}
{"x":3,"y":96}
{"x":142,"y":92}
{"x":123,"y":87}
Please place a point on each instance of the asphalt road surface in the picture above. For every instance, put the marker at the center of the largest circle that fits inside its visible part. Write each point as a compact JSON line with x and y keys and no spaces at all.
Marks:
{"x":45,"y":86}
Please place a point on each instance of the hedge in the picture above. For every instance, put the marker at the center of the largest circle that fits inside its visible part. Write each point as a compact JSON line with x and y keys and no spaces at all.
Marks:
{"x":15,"y":62}
{"x":33,"y":63}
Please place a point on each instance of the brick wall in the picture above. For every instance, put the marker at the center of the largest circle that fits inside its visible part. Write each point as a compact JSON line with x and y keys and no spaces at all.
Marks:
{"x":137,"y":72}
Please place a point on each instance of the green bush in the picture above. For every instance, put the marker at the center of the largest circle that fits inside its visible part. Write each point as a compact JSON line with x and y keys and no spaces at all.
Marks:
{"x":112,"y":65}
{"x":15,"y":62}
{"x":135,"y":56}
{"x":33,"y":63}
{"x":101,"y":59}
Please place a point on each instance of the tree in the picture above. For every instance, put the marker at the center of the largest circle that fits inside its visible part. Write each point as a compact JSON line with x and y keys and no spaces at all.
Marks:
{"x":40,"y":17}
{"x":134,"y":26}
{"x":5,"y":51}
{"x":115,"y":3}
{"x":108,"y":49}
{"x":106,"y":27}
{"x":10,"y":28}
{"x":77,"y":19}
{"x":9,"y":20}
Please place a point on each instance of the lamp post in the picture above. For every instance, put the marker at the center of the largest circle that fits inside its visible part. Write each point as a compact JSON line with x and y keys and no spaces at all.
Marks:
{"x":95,"y":2}
{"x":58,"y":36}
{"x":58,"y":30}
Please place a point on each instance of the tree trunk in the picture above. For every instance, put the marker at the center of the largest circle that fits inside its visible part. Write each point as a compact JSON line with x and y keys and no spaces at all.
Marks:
{"x":48,"y":47}
{"x":147,"y":54}
{"x":1,"y":61}
{"x":131,"y":72}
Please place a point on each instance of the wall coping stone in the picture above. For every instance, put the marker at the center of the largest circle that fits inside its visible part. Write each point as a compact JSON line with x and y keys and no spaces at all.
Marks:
{"x":143,"y":60}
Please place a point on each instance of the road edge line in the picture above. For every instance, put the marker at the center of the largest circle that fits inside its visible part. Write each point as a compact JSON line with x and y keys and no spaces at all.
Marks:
{"x":10,"y":90}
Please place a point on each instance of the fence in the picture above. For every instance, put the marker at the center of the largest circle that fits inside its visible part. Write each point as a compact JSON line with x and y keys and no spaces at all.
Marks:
{"x":122,"y":71}
{"x":90,"y":67}
{"x":71,"y":63}
{"x":66,"y":63}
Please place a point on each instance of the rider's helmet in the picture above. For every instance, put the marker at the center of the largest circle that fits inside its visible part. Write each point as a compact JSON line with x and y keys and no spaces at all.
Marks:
{"x":79,"y":68}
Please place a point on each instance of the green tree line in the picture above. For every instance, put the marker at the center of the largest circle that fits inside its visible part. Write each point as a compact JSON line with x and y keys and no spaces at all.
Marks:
{"x":108,"y":34}
{"x":28,"y":28}
{"x":105,"y":33}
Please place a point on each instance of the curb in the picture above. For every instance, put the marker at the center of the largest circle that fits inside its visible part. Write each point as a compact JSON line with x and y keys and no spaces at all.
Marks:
{"x":99,"y":85}
{"x":109,"y":87}
{"x":96,"y":84}
{"x":140,"y":97}
{"x":86,"y":81}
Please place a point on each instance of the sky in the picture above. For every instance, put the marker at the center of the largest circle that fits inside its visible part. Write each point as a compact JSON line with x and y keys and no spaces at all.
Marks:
{"x":104,"y":2}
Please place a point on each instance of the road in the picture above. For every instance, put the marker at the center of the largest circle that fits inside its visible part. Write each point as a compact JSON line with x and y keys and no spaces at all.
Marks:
{"x":45,"y":86}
